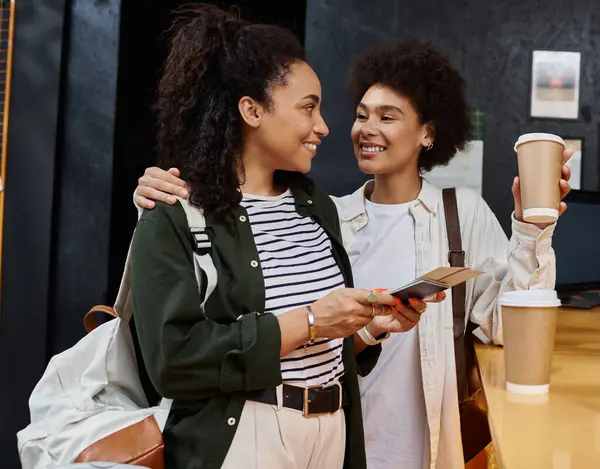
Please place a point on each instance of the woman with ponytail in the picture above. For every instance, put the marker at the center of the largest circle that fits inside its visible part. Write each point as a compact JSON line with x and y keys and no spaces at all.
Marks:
{"x":283,"y":336}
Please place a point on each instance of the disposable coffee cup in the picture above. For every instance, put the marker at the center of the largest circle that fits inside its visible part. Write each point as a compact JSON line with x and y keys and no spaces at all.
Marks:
{"x":540,"y":159}
{"x":529,"y":323}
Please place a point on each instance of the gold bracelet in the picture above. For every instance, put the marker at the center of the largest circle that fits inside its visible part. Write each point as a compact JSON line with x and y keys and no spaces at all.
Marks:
{"x":312,"y":333}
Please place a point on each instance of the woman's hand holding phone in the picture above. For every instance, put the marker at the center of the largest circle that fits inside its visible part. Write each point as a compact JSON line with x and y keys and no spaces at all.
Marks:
{"x":401,"y":317}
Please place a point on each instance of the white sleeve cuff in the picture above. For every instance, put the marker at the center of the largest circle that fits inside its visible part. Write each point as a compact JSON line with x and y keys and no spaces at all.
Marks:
{"x":532,"y":237}
{"x":368,"y":339}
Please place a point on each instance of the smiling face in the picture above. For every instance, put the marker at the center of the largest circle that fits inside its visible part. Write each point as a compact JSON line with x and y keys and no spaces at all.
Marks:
{"x":291,"y":127}
{"x":387,"y":134}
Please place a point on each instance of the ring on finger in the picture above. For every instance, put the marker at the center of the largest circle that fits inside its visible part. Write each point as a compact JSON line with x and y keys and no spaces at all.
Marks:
{"x":372,"y":297}
{"x":382,"y":310}
{"x":373,"y":311}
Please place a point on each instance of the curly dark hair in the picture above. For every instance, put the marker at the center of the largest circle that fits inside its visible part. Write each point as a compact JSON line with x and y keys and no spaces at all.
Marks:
{"x":435,"y":88}
{"x":215,"y":59}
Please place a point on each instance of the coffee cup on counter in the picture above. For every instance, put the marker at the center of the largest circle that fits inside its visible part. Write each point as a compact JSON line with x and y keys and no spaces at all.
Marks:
{"x":529,"y":323}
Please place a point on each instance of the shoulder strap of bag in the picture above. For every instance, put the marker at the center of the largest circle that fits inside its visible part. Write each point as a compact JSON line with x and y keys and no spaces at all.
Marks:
{"x":206,"y":274}
{"x":456,"y":255}
{"x":475,"y":431}
{"x":456,"y":258}
{"x":123,"y":305}
{"x":197,"y":224}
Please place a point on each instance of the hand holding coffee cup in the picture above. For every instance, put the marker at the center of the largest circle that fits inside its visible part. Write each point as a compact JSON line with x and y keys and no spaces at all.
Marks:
{"x":543,"y":179}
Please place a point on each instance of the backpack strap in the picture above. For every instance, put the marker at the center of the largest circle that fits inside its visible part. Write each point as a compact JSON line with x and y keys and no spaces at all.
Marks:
{"x":206,"y":273}
{"x":204,"y":268}
{"x":456,"y":258}
{"x":123,"y":304}
{"x":197,"y":224}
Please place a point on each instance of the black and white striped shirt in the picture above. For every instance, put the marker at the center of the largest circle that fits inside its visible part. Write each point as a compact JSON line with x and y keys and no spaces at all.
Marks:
{"x":299,"y":268}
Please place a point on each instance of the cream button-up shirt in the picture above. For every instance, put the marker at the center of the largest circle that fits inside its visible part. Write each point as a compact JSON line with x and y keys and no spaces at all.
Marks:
{"x":526,"y":261}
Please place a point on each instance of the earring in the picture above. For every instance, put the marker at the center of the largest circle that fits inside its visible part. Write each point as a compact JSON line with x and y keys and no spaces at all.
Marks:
{"x":430,"y":146}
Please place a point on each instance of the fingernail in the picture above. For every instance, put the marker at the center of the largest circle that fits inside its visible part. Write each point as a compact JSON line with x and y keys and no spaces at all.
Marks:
{"x":413,"y":302}
{"x":183,"y":194}
{"x":397,"y":300}
{"x":171,"y":200}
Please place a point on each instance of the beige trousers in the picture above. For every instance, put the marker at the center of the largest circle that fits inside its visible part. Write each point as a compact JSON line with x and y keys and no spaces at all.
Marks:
{"x":269,"y":437}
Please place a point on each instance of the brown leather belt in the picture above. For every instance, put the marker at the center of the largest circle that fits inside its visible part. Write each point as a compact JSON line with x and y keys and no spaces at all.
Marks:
{"x":311,"y":401}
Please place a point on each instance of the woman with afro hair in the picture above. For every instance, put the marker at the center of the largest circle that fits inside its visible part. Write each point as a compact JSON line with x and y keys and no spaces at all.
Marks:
{"x":411,"y":116}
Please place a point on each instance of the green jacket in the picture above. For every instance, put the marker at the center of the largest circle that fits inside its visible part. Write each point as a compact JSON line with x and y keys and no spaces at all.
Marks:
{"x":207,"y":363}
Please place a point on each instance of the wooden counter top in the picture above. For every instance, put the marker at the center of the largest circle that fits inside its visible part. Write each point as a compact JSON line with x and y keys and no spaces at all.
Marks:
{"x":564,"y":431}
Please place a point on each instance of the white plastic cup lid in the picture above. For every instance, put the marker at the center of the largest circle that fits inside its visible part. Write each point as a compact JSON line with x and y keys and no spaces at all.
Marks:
{"x":530,"y":299}
{"x":534,"y":137}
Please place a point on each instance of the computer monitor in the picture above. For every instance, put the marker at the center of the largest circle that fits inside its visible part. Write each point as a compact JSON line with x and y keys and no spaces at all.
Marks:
{"x":576,"y":242}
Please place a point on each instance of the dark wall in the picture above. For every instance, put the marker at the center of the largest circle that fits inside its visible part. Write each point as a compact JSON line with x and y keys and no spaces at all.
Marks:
{"x":141,"y":52}
{"x":28,"y":212}
{"x":82,"y":208}
{"x":58,"y":190}
{"x":490,"y":43}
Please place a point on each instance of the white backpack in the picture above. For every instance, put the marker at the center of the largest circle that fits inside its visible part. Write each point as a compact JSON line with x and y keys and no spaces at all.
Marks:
{"x":93,"y":389}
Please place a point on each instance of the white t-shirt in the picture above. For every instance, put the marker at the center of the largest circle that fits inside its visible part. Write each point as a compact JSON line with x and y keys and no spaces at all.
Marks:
{"x":395,"y":418}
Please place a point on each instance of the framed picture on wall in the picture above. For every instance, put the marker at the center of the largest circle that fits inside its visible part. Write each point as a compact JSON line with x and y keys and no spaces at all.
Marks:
{"x":555,"y":84}
{"x":575,"y":162}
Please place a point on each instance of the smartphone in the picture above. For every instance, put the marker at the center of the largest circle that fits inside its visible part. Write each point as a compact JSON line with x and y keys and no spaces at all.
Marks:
{"x":420,"y":289}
